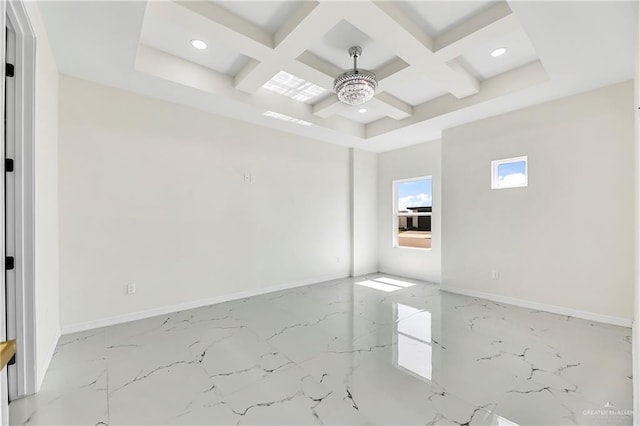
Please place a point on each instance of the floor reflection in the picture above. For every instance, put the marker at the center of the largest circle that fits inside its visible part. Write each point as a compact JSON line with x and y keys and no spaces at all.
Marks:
{"x":413,"y":350}
{"x":385,"y":284}
{"x":501,"y":421}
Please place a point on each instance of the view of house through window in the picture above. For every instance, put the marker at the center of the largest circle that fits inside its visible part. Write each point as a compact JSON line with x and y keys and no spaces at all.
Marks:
{"x":412,"y":212}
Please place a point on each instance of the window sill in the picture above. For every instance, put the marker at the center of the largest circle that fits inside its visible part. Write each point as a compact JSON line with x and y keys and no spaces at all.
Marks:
{"x":413,"y":248}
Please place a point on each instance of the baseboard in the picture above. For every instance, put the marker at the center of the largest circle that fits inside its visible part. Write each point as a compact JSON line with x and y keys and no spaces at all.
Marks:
{"x":134,"y":316}
{"x":42,"y":368}
{"x":364,"y":271}
{"x":635,"y":350}
{"x":561,"y":310}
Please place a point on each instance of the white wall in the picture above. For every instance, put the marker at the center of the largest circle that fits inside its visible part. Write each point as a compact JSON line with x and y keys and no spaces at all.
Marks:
{"x":413,"y":161}
{"x":152,"y":193}
{"x":565,"y":240}
{"x":636,"y":327}
{"x":46,"y":196}
{"x":364,"y":209}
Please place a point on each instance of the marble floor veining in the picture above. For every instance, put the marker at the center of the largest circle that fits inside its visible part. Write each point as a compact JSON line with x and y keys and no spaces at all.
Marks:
{"x":365,"y":350}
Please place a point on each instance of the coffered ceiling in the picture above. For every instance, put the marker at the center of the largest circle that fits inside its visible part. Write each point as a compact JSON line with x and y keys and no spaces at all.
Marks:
{"x":269,"y":60}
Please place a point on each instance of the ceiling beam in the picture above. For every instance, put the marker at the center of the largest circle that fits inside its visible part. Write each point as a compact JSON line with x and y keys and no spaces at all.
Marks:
{"x":391,"y":68}
{"x":250,"y":40}
{"x":155,"y":62}
{"x":180,"y":71}
{"x":401,"y":76}
{"x":322,"y":66}
{"x":417,"y":53}
{"x":524,"y":77}
{"x":313,"y":73}
{"x":328,"y":107}
{"x":293,"y":22}
{"x":384,"y":22}
{"x":310,"y":22}
{"x":382,"y":102}
{"x":391,"y":106}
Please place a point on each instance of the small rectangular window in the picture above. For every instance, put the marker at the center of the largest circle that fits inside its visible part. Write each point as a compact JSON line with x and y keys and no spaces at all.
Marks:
{"x":412,"y":207}
{"x":509,"y":173}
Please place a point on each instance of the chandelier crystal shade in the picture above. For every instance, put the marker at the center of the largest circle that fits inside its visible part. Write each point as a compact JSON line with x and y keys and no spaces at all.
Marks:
{"x":355,"y":87}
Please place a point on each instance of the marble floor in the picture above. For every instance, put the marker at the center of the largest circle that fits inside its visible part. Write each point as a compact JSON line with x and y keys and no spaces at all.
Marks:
{"x":367,"y":350}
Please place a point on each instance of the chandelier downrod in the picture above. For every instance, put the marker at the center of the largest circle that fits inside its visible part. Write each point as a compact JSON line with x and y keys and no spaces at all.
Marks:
{"x":355,"y":53}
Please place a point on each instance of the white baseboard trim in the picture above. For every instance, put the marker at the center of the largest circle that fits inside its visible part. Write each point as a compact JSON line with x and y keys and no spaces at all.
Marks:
{"x":43,"y":367}
{"x":561,"y":310}
{"x":134,"y":316}
{"x":635,"y":350}
{"x":363,"y":272}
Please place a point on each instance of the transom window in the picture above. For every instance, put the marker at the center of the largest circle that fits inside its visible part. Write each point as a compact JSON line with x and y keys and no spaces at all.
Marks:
{"x":509,"y":173}
{"x":412,"y":209}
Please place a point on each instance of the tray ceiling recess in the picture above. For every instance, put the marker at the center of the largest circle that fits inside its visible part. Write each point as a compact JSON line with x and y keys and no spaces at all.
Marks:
{"x":279,"y":59}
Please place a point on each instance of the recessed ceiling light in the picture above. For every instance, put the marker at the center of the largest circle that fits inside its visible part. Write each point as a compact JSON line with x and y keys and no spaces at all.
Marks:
{"x":198,"y":44}
{"x":499,"y":52}
{"x":362,"y":110}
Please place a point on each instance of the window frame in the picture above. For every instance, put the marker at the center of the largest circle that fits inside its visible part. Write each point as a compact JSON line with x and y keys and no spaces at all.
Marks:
{"x":495,"y":177}
{"x":395,"y":215}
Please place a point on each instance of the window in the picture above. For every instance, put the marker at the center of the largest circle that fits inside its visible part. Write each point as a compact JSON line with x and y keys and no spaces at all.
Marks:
{"x":412,"y":207}
{"x":509,"y":173}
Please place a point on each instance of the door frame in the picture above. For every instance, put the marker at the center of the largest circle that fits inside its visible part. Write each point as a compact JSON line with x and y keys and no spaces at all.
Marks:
{"x":24,"y":131}
{"x":4,"y":397}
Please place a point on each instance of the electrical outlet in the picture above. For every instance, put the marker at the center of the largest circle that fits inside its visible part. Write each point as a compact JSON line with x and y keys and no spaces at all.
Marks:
{"x":338,"y":259}
{"x":131,"y":289}
{"x":495,"y":275}
{"x":249,"y":178}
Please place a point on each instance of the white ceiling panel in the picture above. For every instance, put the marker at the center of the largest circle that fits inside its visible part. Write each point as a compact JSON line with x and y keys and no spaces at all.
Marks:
{"x":352,"y":113}
{"x":171,"y":37}
{"x":436,"y":17}
{"x":482,"y":65}
{"x":334,"y":48}
{"x":416,"y":90}
{"x":268,"y":15}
